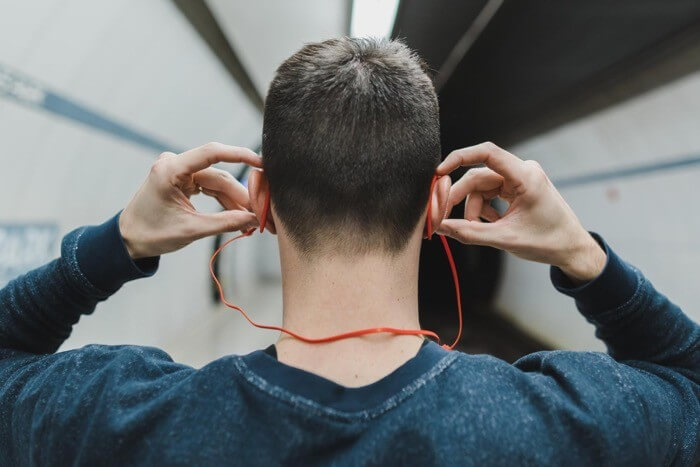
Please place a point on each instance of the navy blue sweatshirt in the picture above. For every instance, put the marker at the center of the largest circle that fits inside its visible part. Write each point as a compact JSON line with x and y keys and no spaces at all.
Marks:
{"x":127,"y":405}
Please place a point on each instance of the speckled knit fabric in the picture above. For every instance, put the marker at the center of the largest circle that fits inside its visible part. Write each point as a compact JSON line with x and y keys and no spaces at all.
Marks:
{"x":127,"y":405}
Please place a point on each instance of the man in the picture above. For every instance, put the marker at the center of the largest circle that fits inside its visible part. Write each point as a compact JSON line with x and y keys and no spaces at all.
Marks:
{"x":350,"y":144}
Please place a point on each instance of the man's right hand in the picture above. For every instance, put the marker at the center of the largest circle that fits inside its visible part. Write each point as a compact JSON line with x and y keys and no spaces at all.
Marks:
{"x":160,"y":218}
{"x":538,"y":224}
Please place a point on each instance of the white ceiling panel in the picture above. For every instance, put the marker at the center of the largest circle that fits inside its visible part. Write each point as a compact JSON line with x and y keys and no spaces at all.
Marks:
{"x":138,"y":63}
{"x":265,"y":32}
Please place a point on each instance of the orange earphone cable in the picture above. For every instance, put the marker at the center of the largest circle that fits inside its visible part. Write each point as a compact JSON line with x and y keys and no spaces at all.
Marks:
{"x":359,"y":332}
{"x":450,"y":260}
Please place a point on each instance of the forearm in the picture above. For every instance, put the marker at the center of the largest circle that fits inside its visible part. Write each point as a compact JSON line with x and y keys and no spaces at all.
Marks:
{"x":634,"y":320}
{"x":38,"y":309}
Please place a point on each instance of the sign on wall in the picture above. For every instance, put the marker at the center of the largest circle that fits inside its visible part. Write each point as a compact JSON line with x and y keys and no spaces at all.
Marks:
{"x":24,"y":247}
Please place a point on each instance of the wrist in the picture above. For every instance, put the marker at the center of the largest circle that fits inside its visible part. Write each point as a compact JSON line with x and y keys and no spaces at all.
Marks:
{"x":103,"y":259}
{"x":131,"y":246}
{"x":585,"y":261}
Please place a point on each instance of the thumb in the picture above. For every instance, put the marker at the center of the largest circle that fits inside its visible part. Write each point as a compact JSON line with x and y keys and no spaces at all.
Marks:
{"x":472,"y":232}
{"x":225,"y":221}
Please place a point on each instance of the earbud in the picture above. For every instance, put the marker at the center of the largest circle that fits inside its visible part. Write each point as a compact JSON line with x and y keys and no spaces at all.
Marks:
{"x":256,"y":183}
{"x":266,"y":210}
{"x":429,"y":221}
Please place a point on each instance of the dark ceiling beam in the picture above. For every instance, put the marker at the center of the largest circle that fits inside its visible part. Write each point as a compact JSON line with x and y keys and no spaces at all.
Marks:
{"x":538,"y":65}
{"x":465,"y":42}
{"x":668,"y":60}
{"x":203,"y":21}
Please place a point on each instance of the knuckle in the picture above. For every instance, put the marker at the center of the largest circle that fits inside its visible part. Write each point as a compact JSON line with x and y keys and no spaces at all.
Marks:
{"x":159,"y":166}
{"x":490,"y":147}
{"x":475,"y":172}
{"x":535,"y":170}
{"x":532,"y":164}
{"x":455,"y":154}
{"x":225,"y":176}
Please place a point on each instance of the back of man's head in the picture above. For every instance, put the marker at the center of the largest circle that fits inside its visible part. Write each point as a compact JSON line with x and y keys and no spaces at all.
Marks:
{"x":351,"y":139}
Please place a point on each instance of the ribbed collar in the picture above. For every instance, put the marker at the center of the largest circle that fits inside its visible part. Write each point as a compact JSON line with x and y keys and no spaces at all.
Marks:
{"x":336,"y":396}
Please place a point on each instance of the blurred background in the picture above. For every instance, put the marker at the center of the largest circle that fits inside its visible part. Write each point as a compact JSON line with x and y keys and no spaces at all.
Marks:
{"x":605,"y":95}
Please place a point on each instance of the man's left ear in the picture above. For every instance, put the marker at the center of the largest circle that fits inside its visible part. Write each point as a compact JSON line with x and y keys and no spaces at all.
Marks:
{"x":439,"y":198}
{"x":259,"y":192}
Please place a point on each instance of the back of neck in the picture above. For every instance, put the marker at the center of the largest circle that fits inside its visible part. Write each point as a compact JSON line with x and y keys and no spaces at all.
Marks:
{"x":336,"y":294}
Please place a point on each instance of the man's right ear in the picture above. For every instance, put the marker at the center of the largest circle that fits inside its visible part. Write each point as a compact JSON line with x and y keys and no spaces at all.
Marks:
{"x":259,"y":193}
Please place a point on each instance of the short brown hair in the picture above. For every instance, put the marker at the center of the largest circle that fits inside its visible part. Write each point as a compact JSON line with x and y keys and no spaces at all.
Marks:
{"x":351,"y":139}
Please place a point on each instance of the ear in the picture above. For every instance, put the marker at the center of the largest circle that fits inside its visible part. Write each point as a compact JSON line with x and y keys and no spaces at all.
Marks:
{"x":259,"y":192}
{"x":440,"y":192}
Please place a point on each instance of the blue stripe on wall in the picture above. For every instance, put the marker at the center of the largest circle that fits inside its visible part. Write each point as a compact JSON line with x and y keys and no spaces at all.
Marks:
{"x":626,"y":172}
{"x":28,"y":91}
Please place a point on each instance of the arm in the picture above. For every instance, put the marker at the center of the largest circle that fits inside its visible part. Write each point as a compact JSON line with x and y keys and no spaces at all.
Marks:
{"x":38,"y":309}
{"x":37,"y":312}
{"x":636,"y":322}
{"x":53,"y":404}
{"x":642,"y":405}
{"x":638,"y":406}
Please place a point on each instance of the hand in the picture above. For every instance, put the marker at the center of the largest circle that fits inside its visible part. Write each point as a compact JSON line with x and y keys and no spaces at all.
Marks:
{"x":538,"y":224}
{"x":160,"y":218}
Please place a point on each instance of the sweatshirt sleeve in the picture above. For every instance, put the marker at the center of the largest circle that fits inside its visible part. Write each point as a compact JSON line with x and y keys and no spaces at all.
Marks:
{"x":80,"y":405}
{"x":635,"y":321}
{"x":39,"y":308}
{"x":638,"y":405}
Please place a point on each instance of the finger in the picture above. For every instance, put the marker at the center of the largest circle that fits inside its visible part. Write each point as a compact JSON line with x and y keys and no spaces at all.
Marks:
{"x":224,"y":221}
{"x":495,"y":158}
{"x":443,"y":195}
{"x":472,"y":233}
{"x":224,"y":201}
{"x":491,"y":194}
{"x":220,"y":181}
{"x":489,"y":213}
{"x":202,"y":157}
{"x":166,"y":155}
{"x":472,"y":209}
{"x":479,"y":179}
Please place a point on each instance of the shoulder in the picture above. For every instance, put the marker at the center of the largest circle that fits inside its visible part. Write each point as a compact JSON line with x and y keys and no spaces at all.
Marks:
{"x":544,"y":381}
{"x":540,"y":370}
{"x":109,"y":364}
{"x":117,"y":352}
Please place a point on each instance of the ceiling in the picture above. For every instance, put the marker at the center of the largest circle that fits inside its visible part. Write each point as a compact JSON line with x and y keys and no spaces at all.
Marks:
{"x":265,"y":33}
{"x":539,"y":63}
{"x":536,"y":64}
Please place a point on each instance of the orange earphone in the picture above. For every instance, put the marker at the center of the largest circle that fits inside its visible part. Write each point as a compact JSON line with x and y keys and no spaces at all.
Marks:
{"x":360,"y":332}
{"x":266,"y":209}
